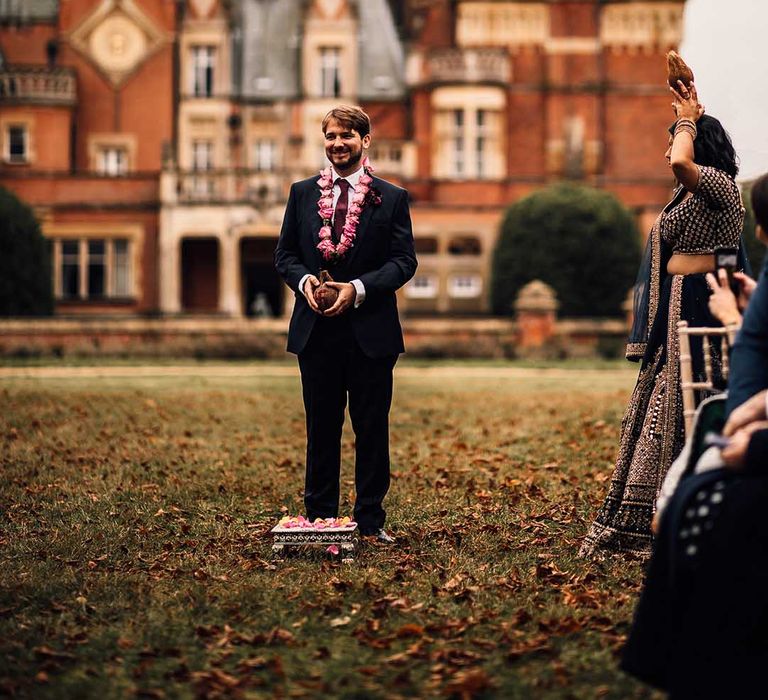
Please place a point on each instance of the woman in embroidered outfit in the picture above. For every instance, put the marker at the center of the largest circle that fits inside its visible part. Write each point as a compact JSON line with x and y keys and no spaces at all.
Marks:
{"x":704,"y":213}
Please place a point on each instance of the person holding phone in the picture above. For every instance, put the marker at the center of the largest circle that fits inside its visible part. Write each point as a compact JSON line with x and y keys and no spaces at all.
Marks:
{"x":699,"y":629}
{"x":747,"y":407}
{"x":705,"y":213}
{"x":726,"y":303}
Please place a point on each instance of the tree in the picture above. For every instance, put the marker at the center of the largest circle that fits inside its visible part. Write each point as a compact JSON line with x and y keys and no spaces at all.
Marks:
{"x":25,"y":261}
{"x":577,"y":239}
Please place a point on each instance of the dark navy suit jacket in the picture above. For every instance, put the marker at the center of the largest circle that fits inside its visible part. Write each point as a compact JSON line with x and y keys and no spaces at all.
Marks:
{"x":749,"y":356}
{"x":383,"y":259}
{"x":749,"y":367}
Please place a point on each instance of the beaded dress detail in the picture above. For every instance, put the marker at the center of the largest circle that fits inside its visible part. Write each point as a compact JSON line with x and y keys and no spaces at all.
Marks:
{"x":652,"y":432}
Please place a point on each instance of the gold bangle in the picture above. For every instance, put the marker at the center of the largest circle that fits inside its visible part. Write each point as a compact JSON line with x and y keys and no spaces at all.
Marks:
{"x":686,"y":128}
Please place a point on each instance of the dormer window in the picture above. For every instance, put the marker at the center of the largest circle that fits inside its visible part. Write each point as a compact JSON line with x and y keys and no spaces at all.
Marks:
{"x":203,"y":70}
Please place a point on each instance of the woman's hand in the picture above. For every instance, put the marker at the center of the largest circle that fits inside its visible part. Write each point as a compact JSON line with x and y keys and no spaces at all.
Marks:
{"x":681,"y":155}
{"x":723,"y":305}
{"x":735,"y":452}
{"x":686,"y":104}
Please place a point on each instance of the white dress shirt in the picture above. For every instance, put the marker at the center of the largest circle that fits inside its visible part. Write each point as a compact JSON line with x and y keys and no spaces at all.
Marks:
{"x":353,"y":180}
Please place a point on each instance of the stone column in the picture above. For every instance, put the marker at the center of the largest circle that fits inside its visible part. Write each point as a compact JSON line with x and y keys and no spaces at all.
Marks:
{"x":536,"y":315}
{"x":170,"y":264}
{"x":229,"y":275}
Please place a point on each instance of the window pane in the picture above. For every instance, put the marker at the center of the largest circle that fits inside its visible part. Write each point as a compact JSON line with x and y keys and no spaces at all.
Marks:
{"x":17,"y":144}
{"x":202,"y":155}
{"x":480,"y":152}
{"x":70,"y":269}
{"x":422,"y":287}
{"x":96,"y":269}
{"x":464,"y":245}
{"x":121,"y":268}
{"x":203,"y":64}
{"x":458,"y":156}
{"x":458,"y":143}
{"x":465,"y":286}
{"x":425,"y":245}
{"x":330,"y":78}
{"x":113,"y":160}
{"x":264,"y":155}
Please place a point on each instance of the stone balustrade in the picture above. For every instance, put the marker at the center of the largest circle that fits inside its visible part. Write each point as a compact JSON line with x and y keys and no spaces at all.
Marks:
{"x":534,"y":332}
{"x":38,"y":85}
{"x":481,"y":65}
{"x":227,"y":186}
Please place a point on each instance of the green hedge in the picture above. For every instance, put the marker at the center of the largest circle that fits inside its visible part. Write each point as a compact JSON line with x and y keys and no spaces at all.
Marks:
{"x":25,"y":261}
{"x":581,"y":241}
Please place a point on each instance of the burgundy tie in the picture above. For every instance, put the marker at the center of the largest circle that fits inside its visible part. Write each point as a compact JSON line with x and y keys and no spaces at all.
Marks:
{"x":340,"y":214}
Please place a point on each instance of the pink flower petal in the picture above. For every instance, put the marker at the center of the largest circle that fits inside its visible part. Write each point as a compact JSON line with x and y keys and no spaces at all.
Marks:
{"x":333,"y":549}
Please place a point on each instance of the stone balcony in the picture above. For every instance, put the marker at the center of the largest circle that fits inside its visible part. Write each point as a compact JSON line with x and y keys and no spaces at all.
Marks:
{"x":38,"y":85}
{"x":231,"y":186}
{"x":481,"y":65}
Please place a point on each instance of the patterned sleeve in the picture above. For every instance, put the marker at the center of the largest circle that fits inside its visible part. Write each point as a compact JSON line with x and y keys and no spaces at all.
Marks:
{"x":717,"y":189}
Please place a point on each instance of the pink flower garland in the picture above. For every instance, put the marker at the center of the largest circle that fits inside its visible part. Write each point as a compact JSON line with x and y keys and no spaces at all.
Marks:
{"x":293,"y":521}
{"x":357,"y":200}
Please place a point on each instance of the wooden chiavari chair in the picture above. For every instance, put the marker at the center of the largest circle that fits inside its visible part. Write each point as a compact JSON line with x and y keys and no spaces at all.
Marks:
{"x":721,"y":335}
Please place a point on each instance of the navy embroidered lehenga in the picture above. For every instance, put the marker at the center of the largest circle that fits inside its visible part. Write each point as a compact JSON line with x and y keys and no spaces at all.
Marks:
{"x":652,"y":432}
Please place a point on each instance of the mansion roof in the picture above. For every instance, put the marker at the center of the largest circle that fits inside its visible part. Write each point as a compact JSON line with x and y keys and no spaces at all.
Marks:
{"x":267,"y":50}
{"x":28,"y":10}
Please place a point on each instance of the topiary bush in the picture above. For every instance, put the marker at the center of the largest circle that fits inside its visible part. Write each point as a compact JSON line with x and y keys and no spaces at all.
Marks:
{"x":25,"y":261}
{"x":581,"y":241}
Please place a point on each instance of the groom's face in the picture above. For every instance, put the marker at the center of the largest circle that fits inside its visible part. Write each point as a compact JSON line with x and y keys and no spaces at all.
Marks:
{"x":344,"y":147}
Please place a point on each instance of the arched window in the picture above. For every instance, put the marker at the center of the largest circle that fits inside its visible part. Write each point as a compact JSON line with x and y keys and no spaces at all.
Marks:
{"x":464,"y":245}
{"x":425,"y":245}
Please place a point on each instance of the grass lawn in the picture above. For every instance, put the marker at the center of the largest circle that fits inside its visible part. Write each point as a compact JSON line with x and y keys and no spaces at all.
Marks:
{"x":135,"y":554}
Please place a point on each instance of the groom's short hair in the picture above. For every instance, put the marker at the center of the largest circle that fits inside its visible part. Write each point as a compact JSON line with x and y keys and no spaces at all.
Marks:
{"x":350,"y":117}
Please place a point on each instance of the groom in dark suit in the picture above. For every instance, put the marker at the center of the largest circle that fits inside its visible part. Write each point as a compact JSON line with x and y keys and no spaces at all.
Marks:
{"x":350,"y":349}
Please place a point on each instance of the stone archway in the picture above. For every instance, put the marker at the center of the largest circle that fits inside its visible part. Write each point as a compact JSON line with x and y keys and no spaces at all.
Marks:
{"x":262,"y":288}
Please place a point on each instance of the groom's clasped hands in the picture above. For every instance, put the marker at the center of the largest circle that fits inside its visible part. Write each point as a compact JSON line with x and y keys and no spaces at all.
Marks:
{"x":345,"y":300}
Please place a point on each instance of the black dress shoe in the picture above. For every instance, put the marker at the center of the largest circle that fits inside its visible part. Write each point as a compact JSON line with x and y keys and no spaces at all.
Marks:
{"x":381,"y":535}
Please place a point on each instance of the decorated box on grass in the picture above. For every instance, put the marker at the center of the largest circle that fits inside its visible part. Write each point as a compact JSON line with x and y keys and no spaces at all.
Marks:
{"x":339,"y":536}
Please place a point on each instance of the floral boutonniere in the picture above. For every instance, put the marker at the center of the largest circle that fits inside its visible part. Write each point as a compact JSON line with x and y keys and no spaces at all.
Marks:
{"x":363,"y":195}
{"x":372,"y":198}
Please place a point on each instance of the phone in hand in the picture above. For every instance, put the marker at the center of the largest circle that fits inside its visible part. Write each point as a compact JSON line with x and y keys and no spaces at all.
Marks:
{"x":712,"y":439}
{"x":727,"y":259}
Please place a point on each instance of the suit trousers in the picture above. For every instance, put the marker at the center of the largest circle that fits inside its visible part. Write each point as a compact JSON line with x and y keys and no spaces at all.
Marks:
{"x":333,"y":367}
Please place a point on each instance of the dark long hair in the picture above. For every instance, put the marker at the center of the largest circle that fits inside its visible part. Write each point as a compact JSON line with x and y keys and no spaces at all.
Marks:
{"x":713,"y":146}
